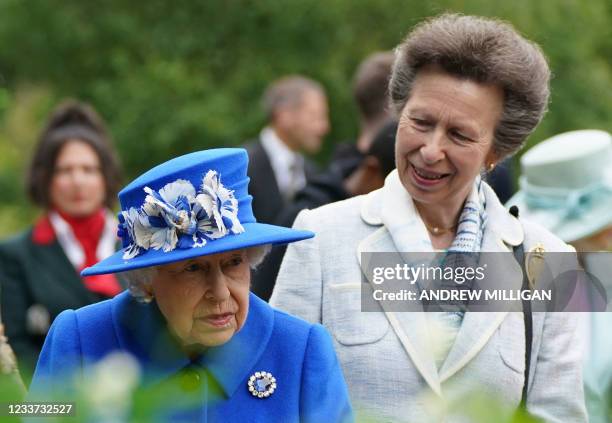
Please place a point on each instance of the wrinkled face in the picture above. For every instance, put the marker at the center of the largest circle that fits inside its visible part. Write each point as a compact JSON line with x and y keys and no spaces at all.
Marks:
{"x":77,"y":186}
{"x":445,"y":136}
{"x":205,"y":300}
{"x":308,"y":123}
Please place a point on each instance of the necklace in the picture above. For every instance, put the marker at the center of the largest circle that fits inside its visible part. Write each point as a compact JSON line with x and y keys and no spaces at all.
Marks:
{"x":436,"y":230}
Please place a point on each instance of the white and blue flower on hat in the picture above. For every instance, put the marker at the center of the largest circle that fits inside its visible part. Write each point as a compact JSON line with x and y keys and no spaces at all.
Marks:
{"x":170,"y":215}
{"x":179,"y":217}
{"x":220,"y":204}
{"x":193,"y":205}
{"x":132,"y":226}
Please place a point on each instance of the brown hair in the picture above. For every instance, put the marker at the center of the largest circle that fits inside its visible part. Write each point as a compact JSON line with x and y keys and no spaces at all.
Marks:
{"x":370,"y":85}
{"x":287,"y":92}
{"x":72,"y":120}
{"x":486,"y":51}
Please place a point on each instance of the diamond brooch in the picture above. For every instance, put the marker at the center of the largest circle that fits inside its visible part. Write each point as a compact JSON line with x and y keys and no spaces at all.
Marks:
{"x":262,"y":384}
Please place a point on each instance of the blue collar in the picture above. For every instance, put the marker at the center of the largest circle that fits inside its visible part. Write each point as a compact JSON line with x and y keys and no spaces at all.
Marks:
{"x":141,"y":330}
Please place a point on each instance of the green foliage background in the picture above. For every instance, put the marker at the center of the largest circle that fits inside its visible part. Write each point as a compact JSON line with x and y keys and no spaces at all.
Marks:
{"x":172,"y":77}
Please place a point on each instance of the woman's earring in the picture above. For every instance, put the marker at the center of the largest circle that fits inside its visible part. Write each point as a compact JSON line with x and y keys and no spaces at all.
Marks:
{"x":149,"y":295}
{"x":490,"y":167}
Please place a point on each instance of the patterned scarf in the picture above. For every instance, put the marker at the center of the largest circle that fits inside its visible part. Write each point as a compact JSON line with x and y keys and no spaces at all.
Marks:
{"x":472,"y":222}
{"x":464,"y":251}
{"x":465,"y":248}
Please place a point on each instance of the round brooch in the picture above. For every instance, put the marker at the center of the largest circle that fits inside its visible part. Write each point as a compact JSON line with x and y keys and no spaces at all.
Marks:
{"x":262,"y":384}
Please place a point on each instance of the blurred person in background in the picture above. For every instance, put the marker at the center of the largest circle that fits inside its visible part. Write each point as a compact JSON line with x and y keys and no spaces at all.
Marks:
{"x":297,"y":114}
{"x":297,"y":120}
{"x":500,"y":179}
{"x":328,"y":187}
{"x":468,"y":91}
{"x":370,"y":85}
{"x":73,"y":177}
{"x":566,"y":186}
{"x":354,"y":169}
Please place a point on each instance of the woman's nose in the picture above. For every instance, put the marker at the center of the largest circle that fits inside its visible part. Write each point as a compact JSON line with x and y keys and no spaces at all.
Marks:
{"x":78,"y":177}
{"x":432,"y":150}
{"x":216,"y":288}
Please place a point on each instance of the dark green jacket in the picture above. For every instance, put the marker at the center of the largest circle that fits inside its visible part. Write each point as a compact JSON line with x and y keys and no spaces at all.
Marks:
{"x":37,"y":283}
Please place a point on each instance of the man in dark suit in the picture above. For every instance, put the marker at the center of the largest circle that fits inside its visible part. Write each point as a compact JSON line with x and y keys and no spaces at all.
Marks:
{"x":297,"y":114}
{"x":297,"y":120}
{"x":327,"y":187}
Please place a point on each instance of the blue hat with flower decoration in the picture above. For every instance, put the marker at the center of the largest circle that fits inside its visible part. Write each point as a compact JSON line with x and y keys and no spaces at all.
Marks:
{"x":566,"y":184}
{"x":194,"y":205}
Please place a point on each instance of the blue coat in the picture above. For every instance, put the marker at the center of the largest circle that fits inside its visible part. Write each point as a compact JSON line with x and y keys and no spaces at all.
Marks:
{"x":310,"y":385}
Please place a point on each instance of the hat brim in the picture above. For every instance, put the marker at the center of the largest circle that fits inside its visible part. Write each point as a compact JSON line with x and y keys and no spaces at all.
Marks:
{"x":254,"y":234}
{"x":569,"y":228}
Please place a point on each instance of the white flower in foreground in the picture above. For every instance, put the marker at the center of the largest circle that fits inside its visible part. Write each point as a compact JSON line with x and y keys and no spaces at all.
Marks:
{"x":110,"y":386}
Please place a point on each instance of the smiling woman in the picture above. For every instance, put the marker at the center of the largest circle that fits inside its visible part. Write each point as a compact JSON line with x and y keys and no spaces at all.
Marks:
{"x":216,"y":351}
{"x":468,"y":91}
{"x":445,"y":135}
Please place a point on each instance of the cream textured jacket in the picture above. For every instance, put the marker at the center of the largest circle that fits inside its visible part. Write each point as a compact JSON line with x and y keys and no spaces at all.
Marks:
{"x":390,"y":371}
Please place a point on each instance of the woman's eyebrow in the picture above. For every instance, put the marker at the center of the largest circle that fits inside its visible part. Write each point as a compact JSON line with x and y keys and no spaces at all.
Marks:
{"x":420,"y":111}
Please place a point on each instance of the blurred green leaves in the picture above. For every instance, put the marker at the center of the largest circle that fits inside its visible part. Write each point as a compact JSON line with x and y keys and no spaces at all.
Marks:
{"x":176,"y":77}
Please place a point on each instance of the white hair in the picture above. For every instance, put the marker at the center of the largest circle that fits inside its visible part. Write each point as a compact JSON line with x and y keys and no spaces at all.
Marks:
{"x":139,"y":280}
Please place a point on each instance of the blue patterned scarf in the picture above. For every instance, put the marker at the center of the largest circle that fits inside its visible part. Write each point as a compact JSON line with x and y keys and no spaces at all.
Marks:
{"x":465,"y":248}
{"x":464,"y":251}
{"x":472,"y":222}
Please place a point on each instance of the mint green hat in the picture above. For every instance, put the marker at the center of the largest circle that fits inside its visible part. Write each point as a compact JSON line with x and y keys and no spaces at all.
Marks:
{"x":566,"y":184}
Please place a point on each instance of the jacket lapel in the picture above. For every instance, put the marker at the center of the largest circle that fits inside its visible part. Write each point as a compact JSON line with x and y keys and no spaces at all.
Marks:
{"x":267,"y":198}
{"x":59,"y":271}
{"x":400,"y":230}
{"x":410,"y":328}
{"x":233,"y":362}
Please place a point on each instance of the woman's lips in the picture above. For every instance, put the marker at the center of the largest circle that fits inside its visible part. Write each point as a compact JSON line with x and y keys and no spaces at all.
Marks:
{"x":218,"y":320}
{"x":425,"y":178}
{"x":79,"y":199}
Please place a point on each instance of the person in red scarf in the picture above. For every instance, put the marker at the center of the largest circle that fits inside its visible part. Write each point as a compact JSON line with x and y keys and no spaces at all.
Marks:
{"x":74,"y":176}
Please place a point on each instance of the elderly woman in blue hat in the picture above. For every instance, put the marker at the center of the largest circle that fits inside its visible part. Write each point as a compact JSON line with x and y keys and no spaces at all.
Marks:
{"x":566,"y":186}
{"x":206,"y":347}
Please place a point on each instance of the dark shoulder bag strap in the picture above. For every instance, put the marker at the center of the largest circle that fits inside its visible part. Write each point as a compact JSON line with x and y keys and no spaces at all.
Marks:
{"x":519,"y":255}
{"x":528,"y":320}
